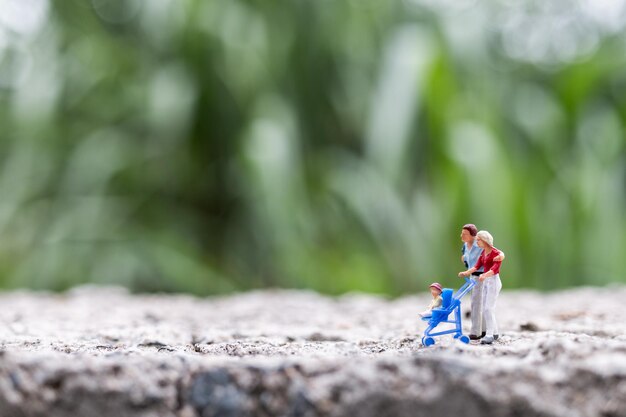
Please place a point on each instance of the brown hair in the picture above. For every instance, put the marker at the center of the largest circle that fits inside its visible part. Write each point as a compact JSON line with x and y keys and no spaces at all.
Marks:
{"x":471,"y":229}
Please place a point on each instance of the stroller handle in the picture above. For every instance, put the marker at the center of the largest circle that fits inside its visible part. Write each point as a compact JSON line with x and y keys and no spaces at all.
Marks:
{"x":469,"y":284}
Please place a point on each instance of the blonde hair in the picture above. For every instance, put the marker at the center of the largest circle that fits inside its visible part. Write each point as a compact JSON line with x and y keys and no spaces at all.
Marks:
{"x":485,"y":236}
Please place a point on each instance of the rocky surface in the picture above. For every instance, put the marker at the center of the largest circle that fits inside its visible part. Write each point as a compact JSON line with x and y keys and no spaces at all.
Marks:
{"x":104,"y":352}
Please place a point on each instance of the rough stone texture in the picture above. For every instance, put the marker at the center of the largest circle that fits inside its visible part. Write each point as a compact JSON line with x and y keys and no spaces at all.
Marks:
{"x":103,"y":352}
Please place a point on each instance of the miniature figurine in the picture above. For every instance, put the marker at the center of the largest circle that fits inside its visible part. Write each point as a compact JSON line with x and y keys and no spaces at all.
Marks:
{"x":435,"y":291}
{"x":491,"y":282}
{"x":471,"y":252}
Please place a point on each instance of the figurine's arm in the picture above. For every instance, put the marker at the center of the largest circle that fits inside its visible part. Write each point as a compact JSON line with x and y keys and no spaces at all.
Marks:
{"x":495,"y":269}
{"x":486,"y":275}
{"x":475,"y":268}
{"x":468,"y":272}
{"x":500,"y":257}
{"x":435,"y":303}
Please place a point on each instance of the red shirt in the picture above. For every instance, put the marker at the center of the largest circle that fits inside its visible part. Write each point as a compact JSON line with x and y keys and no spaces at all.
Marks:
{"x":487,"y":262}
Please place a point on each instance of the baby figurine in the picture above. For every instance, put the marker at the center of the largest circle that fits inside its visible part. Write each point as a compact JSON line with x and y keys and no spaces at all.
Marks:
{"x":435,"y":290}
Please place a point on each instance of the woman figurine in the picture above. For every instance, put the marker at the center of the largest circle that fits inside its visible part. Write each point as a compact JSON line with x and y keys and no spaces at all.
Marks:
{"x":491,"y":282}
{"x":471,"y":252}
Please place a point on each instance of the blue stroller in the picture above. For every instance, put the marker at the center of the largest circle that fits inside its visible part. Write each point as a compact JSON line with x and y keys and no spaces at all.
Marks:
{"x":451,"y":305}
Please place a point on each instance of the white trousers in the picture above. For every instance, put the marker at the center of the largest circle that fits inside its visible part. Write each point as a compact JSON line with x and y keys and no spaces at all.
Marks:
{"x":478,"y":319}
{"x":491,"y":290}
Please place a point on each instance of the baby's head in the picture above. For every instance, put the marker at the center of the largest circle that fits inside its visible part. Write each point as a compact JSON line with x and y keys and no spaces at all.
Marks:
{"x":435,"y":289}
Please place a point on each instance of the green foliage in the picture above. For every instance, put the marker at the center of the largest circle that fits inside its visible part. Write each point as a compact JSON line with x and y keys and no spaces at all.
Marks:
{"x":210,"y":145}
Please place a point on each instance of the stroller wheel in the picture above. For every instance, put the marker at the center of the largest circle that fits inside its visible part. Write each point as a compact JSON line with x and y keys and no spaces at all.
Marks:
{"x":428,"y":341}
{"x":464,"y":339}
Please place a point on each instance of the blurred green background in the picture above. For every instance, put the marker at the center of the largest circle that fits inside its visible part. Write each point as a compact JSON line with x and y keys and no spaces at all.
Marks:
{"x":210,"y":146}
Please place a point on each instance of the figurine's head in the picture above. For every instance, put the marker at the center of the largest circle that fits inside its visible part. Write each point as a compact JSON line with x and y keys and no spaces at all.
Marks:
{"x":484,"y":239}
{"x":468,"y":233}
{"x":436,"y":289}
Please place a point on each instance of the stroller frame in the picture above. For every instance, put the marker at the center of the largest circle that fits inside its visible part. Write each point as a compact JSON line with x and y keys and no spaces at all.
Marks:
{"x":451,"y":305}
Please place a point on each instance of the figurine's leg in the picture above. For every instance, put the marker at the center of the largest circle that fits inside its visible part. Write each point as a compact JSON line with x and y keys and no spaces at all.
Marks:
{"x":487,"y":310}
{"x":492,"y":288}
{"x":484,"y":323}
{"x":478,"y":319}
{"x":498,"y":289}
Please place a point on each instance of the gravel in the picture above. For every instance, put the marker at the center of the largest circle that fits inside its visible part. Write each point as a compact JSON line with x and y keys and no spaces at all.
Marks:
{"x":104,"y":352}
